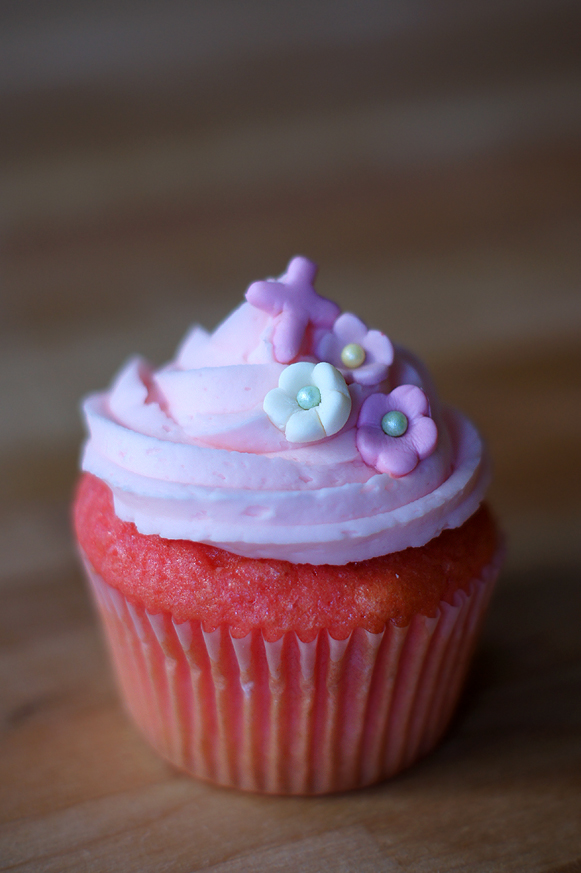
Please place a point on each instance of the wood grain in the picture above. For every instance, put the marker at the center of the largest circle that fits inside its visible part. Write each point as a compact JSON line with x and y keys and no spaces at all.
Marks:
{"x":434,"y":171}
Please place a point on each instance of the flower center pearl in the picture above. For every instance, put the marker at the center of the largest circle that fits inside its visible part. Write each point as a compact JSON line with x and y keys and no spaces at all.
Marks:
{"x":352,"y":356}
{"x":394,"y":423}
{"x":308,"y":397}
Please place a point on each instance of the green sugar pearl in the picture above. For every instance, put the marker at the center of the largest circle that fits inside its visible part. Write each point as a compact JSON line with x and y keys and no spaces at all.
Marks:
{"x":394,"y":423}
{"x":352,"y":356}
{"x":308,"y":397}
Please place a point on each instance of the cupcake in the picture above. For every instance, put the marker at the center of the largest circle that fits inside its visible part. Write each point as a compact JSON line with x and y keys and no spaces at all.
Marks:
{"x":285,"y":535}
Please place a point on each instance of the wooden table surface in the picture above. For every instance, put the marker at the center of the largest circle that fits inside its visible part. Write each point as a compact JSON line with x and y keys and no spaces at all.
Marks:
{"x":154,"y":162}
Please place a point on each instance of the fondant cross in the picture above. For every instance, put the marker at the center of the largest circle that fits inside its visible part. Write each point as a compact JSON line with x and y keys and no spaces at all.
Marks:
{"x":294,"y":299}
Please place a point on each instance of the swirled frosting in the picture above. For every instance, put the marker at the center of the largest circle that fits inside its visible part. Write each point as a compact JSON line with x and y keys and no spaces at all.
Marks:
{"x":189,"y":451}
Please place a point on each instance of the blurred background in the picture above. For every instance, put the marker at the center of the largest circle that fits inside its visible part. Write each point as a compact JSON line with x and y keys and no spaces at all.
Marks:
{"x":157,"y":157}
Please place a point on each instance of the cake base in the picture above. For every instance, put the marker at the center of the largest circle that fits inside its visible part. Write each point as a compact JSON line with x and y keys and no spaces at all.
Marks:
{"x":292,"y":717}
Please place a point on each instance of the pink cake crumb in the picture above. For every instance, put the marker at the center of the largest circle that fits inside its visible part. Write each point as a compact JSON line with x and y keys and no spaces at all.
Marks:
{"x":196,"y":581}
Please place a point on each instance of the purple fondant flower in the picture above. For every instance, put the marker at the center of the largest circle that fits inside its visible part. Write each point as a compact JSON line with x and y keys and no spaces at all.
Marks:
{"x":395,"y":431}
{"x":294,"y":299}
{"x":361,"y":355}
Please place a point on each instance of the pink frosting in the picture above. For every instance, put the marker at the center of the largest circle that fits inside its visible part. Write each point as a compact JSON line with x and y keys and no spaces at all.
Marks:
{"x":189,"y":452}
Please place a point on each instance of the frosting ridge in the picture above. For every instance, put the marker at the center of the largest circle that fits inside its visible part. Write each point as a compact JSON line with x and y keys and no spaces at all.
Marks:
{"x":190,"y":450}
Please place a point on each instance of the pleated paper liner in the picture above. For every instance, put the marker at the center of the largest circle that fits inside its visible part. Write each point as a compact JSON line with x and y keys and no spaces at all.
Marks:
{"x":290,"y":717}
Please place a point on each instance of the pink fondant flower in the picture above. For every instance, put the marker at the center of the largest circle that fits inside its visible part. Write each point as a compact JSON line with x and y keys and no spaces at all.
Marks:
{"x":294,"y":299}
{"x":361,"y":355}
{"x":395,"y":431}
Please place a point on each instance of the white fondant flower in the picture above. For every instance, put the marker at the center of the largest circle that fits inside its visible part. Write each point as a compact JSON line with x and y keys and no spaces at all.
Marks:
{"x":311,"y":402}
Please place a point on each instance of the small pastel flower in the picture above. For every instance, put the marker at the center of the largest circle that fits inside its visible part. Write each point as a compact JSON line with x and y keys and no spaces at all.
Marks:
{"x":361,"y":355}
{"x":395,"y":431}
{"x":311,"y":402}
{"x":294,"y":299}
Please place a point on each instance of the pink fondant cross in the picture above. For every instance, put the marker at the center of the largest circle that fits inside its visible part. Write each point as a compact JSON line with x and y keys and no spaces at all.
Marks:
{"x":294,"y":299}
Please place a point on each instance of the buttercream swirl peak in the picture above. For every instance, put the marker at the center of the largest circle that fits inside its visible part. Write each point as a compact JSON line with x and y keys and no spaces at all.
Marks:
{"x":292,"y":431}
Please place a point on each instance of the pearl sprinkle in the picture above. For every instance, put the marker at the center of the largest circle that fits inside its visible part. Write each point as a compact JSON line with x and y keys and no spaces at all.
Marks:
{"x":394,"y":423}
{"x":308,"y":397}
{"x":352,"y":356}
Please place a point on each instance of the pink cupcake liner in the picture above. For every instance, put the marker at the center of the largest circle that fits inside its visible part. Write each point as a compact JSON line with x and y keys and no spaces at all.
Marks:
{"x":289,"y":717}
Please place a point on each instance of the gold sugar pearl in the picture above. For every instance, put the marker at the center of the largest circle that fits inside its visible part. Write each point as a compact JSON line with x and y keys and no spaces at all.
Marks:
{"x":352,"y":356}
